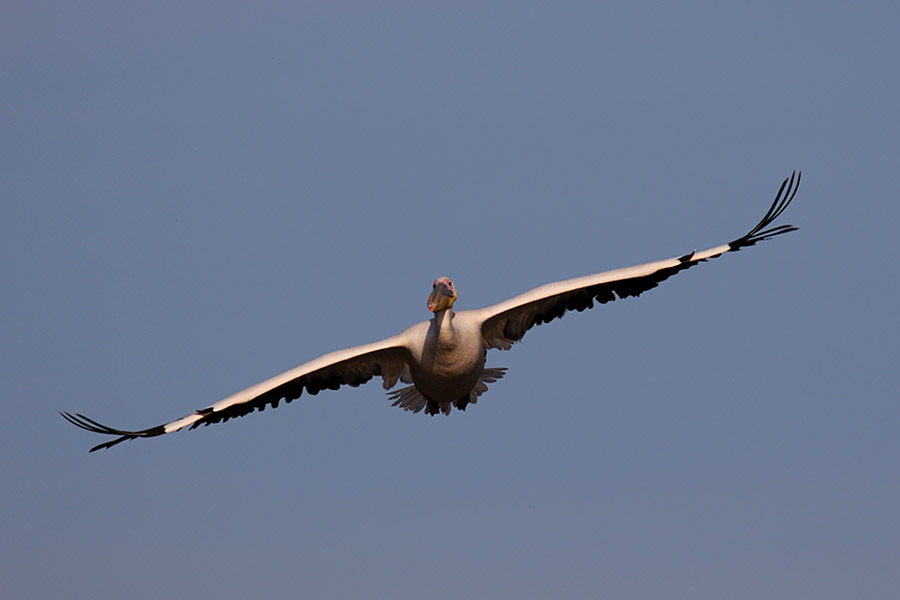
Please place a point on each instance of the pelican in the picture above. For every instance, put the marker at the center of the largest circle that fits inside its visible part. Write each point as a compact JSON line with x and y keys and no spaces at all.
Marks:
{"x":443,"y":359}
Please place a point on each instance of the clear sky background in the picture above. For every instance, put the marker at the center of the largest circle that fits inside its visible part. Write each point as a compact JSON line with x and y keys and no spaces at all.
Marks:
{"x":199,"y":195}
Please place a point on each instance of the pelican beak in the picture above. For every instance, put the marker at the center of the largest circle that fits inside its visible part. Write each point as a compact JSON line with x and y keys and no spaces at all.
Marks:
{"x":442,"y":297}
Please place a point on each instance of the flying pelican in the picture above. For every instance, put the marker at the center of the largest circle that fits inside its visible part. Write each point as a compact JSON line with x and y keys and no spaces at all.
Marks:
{"x":444,"y":358}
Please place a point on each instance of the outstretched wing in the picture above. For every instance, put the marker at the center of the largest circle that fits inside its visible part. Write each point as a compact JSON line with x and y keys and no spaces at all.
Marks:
{"x":506,"y":323}
{"x":353,"y":367}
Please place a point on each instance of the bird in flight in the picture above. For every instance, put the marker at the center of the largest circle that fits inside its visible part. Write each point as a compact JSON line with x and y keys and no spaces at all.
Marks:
{"x":443,"y":359}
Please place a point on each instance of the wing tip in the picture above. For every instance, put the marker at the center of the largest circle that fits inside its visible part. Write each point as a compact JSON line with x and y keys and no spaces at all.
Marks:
{"x":783,"y":199}
{"x":88,"y":424}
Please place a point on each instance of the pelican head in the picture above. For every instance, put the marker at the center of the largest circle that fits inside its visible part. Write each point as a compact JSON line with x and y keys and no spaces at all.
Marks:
{"x":443,"y":295}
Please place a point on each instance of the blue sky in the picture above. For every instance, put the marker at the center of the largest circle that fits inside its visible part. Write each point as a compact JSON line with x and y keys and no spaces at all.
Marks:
{"x":197,"y":196}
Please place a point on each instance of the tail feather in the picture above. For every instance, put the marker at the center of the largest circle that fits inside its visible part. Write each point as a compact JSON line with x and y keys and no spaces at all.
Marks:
{"x":411,"y":399}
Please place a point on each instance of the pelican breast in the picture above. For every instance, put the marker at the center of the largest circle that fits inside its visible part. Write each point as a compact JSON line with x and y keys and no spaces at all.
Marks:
{"x":450,"y":360}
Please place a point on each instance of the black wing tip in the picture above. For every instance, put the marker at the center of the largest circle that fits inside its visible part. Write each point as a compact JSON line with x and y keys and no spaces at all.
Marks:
{"x":783,"y":199}
{"x":93,"y":426}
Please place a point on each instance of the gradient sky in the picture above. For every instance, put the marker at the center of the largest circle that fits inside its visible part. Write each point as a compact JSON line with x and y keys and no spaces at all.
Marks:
{"x":199,"y":195}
